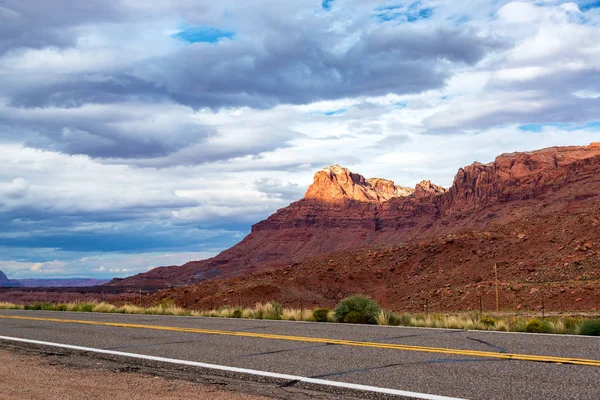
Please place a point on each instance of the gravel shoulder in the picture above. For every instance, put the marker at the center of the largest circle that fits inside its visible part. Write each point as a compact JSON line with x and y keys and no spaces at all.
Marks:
{"x":54,"y":377}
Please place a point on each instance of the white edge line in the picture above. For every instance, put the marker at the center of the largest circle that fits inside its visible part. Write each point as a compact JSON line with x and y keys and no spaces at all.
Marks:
{"x":344,"y":385}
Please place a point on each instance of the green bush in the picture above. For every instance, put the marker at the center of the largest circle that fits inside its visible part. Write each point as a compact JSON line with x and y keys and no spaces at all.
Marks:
{"x":83,"y":307}
{"x":591,"y":327}
{"x":354,"y":317}
{"x":237,"y":313}
{"x":364,"y":310}
{"x":405,"y":320}
{"x":393,"y":319}
{"x":273,"y":310}
{"x":61,"y":307}
{"x":488,"y":321}
{"x":537,"y":326}
{"x":40,"y":306}
{"x":571,"y":324}
{"x":321,"y":314}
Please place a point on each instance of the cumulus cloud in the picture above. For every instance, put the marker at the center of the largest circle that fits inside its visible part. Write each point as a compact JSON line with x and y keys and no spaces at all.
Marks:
{"x":143,"y":133}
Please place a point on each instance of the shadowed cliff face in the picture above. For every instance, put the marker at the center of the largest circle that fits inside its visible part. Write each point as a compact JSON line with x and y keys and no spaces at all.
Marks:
{"x":343,"y":210}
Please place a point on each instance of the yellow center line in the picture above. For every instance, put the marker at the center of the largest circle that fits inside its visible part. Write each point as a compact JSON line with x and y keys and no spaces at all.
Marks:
{"x":392,"y":346}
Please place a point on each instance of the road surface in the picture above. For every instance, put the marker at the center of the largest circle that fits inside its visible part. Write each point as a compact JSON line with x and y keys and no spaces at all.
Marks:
{"x":422,"y":363}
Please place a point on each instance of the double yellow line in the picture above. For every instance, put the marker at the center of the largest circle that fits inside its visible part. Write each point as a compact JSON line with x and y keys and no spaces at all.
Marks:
{"x":391,"y":346}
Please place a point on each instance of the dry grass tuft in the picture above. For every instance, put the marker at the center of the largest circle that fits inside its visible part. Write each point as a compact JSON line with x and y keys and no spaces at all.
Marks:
{"x":273,"y":310}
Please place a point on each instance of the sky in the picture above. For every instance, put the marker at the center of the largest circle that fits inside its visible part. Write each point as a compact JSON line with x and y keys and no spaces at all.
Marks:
{"x":141,"y":133}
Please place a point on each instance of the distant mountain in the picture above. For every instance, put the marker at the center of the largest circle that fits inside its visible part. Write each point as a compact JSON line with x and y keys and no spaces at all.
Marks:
{"x":68,"y":282}
{"x":5,"y":282}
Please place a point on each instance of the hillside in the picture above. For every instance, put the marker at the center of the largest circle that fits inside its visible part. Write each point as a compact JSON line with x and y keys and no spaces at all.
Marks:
{"x":344,"y":211}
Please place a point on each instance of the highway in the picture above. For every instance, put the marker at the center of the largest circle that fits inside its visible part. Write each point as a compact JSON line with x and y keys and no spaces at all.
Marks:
{"x":340,"y":359}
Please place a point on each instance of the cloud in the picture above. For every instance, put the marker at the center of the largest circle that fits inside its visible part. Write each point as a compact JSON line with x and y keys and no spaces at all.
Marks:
{"x":135,"y":130}
{"x":17,"y":189}
{"x":298,"y":68}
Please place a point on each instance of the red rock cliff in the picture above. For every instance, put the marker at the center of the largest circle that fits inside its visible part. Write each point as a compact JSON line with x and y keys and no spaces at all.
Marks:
{"x":343,"y":210}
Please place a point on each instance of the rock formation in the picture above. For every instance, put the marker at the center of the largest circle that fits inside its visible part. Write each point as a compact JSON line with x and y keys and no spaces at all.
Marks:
{"x":335,"y":183}
{"x":5,"y":282}
{"x":342,"y":210}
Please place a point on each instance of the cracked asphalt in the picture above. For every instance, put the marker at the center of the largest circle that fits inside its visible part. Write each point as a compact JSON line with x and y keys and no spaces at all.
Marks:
{"x":452,"y":375}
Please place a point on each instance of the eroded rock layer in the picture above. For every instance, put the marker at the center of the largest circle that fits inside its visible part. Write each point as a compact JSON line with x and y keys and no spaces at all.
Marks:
{"x":342,"y":211}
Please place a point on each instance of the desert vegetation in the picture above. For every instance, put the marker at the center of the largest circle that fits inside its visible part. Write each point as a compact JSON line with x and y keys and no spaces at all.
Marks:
{"x":354,"y":309}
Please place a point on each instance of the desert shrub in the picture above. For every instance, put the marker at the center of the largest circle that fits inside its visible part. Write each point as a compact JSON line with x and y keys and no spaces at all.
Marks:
{"x":488,"y":322}
{"x":167,"y":303}
{"x":40,"y":306}
{"x":292,"y":314}
{"x":82,"y":307}
{"x":394,"y":319}
{"x":61,"y":307}
{"x":354,"y":317}
{"x":104,"y":307}
{"x":591,"y":327}
{"x":405,"y":320}
{"x":320,"y":314}
{"x":571,"y":324}
{"x":10,"y":306}
{"x":537,"y":326}
{"x":364,"y":310}
{"x":387,"y":318}
{"x":237,"y":313}
{"x":534,"y":326}
{"x":270,"y":310}
{"x":273,"y":311}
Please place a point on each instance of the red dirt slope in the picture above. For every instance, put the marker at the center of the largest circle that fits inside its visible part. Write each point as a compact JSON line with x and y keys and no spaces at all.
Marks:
{"x":527,"y":211}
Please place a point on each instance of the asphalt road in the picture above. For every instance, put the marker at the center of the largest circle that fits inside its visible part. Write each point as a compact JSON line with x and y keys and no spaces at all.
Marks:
{"x":454,"y":363}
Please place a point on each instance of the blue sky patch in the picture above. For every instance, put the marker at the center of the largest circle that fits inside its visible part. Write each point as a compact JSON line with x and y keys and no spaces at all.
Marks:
{"x":203,"y":34}
{"x":401,"y":104}
{"x":587,"y":5}
{"x":399,"y":12}
{"x":461,"y":19}
{"x":592,"y":125}
{"x":531,"y":127}
{"x":335,"y":112}
{"x":563,"y":126}
{"x":326,"y":4}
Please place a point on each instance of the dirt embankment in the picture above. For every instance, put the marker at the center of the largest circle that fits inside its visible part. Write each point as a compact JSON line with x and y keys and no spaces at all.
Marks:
{"x":35,"y":377}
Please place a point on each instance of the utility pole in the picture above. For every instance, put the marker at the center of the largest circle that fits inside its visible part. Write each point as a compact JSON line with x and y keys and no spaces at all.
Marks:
{"x":497,"y":302}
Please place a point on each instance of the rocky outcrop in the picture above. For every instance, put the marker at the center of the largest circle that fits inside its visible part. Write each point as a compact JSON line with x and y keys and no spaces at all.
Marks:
{"x":336,"y":183}
{"x":343,"y":210}
{"x":517,"y":176}
{"x":428,"y":189}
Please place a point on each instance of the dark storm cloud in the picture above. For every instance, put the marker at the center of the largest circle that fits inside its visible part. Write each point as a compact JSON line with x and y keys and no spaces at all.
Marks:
{"x":303,"y":67}
{"x":265,"y":64}
{"x":125,"y":131}
{"x":39,"y":24}
{"x":77,"y":90}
